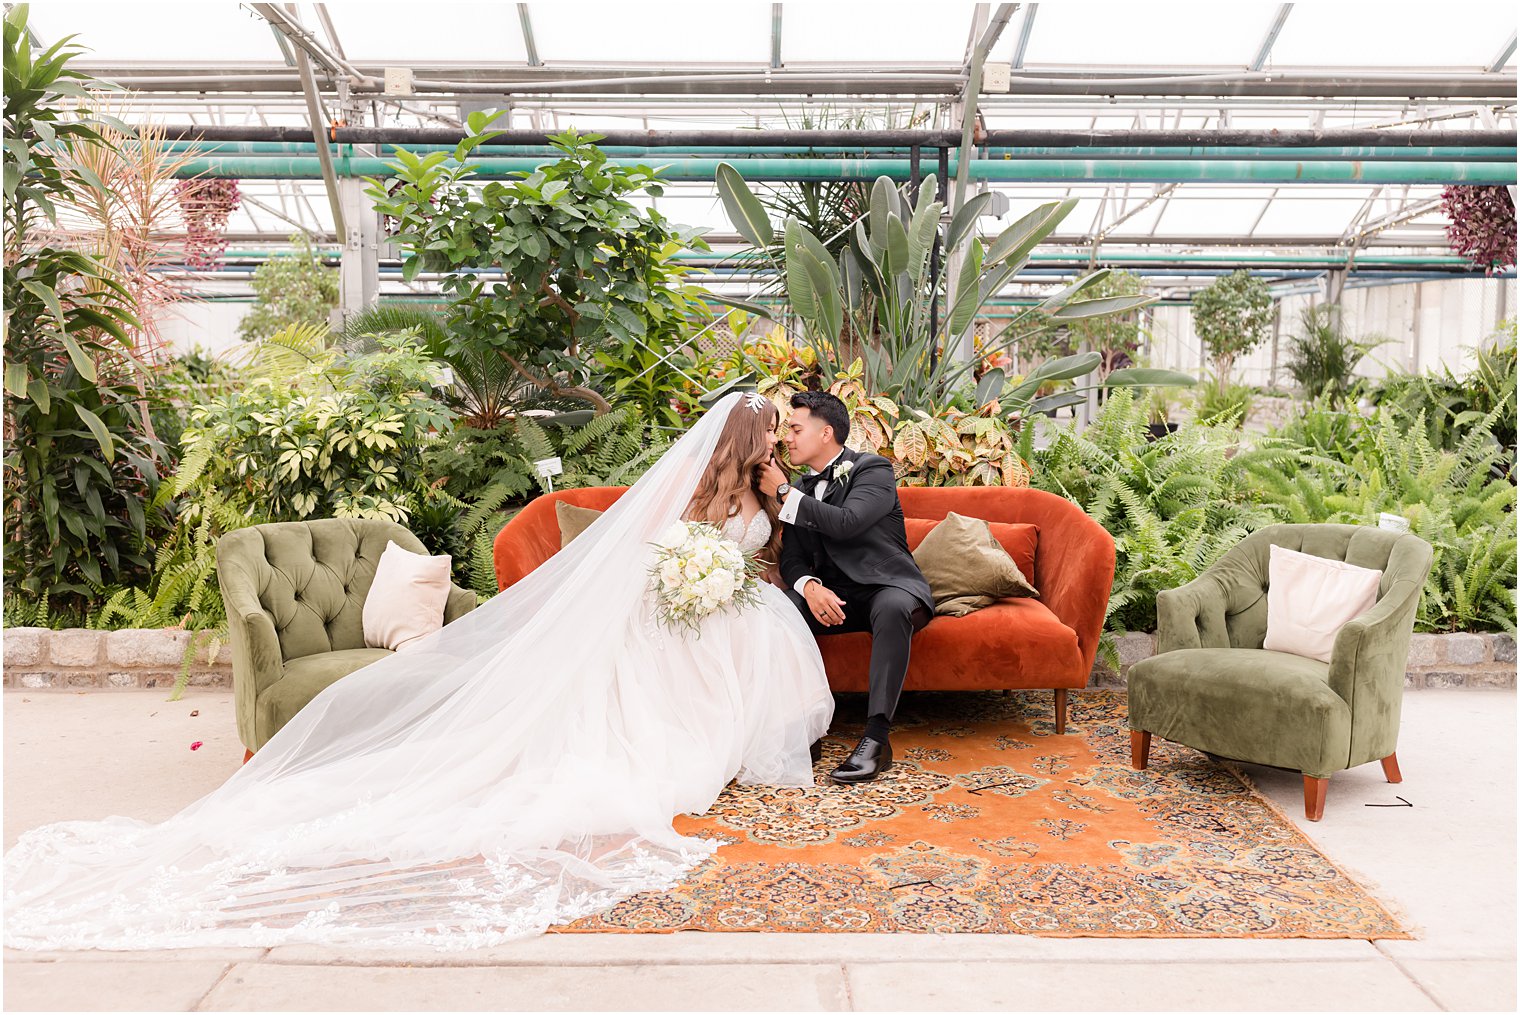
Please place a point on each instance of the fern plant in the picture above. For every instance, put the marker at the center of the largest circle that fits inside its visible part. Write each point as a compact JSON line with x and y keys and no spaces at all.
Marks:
{"x":1174,"y":505}
{"x":485,"y":476}
{"x":1360,"y":467}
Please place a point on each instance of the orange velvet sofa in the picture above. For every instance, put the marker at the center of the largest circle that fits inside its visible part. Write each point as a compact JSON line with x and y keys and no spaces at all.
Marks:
{"x":1015,"y":644}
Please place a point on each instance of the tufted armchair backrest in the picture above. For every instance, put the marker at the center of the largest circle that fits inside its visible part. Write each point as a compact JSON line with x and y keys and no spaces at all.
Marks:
{"x":1242,"y":573}
{"x":311,"y":577}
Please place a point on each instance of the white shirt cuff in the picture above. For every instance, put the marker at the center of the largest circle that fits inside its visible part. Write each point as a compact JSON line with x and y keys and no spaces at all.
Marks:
{"x":788,"y":512}
{"x":802,"y":584}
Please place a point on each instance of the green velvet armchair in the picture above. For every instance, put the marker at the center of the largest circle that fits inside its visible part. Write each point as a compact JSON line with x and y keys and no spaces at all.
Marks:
{"x":1213,"y":687}
{"x":294,"y":593}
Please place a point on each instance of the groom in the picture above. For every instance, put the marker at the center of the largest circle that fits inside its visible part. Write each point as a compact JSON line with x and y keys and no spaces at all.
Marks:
{"x":844,"y":555}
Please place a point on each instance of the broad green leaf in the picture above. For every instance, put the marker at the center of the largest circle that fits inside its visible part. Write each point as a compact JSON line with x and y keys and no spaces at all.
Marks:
{"x":98,"y":428}
{"x":1019,"y":239}
{"x":882,"y":192}
{"x":1059,"y":400}
{"x":1102,"y":306}
{"x":967,"y":292}
{"x":1149,"y":377}
{"x":964,"y":221}
{"x":78,"y":357}
{"x":758,"y":309}
{"x":1061,"y":298}
{"x":37,"y":388}
{"x":829,"y":317}
{"x":896,"y":261}
{"x":744,"y":209}
{"x":1065,"y":368}
{"x":990,"y":386}
{"x":922,"y":229}
{"x":799,"y":288}
{"x":15,"y":380}
{"x":851,"y":277}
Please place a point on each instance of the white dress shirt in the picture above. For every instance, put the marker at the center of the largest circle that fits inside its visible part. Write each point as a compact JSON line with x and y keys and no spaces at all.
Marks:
{"x":788,"y":512}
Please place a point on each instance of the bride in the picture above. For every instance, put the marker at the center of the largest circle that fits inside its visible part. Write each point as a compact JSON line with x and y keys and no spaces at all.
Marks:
{"x":518,"y":769}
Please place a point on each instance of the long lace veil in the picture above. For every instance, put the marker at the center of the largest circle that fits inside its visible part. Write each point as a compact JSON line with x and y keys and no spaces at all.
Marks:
{"x":478,"y":787}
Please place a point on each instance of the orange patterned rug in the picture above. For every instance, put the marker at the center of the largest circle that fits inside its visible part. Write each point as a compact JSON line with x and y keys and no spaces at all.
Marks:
{"x":989,"y":822}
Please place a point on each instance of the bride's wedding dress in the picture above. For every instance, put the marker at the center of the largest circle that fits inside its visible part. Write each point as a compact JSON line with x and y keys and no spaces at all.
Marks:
{"x":518,"y":769}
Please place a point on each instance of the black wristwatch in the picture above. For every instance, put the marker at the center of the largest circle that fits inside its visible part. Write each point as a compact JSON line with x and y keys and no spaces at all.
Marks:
{"x":783,"y":490}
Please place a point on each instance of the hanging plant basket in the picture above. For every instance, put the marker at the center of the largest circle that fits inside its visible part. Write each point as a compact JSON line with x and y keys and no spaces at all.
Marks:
{"x":1482,"y":227}
{"x":206,"y":203}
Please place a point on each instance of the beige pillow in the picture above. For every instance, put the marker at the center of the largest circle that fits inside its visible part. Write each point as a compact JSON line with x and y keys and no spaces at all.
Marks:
{"x":406,"y":599}
{"x":967,"y":568}
{"x":1309,"y":598}
{"x":573,"y":521}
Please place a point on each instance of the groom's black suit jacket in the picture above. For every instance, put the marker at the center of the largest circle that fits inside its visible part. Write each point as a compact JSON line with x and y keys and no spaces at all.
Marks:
{"x":857,"y":527}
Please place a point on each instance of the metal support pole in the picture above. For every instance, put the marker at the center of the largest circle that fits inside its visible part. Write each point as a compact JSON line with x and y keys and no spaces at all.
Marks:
{"x":944,"y":184}
{"x":360,"y":270}
{"x":324,"y":155}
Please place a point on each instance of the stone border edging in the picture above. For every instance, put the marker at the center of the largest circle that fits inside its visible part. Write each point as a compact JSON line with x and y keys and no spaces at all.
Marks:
{"x":36,"y":657}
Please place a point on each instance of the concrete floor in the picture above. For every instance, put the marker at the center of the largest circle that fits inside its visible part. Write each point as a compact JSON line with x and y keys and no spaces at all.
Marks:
{"x":1447,"y":864}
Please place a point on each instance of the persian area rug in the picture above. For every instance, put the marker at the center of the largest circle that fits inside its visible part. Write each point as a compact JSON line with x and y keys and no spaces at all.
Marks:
{"x":988,"y":822}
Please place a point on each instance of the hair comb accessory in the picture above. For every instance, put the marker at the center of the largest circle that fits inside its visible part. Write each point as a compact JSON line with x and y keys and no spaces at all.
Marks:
{"x":754,"y":400}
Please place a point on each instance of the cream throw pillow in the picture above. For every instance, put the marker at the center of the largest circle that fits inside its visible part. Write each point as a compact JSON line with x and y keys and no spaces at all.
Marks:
{"x":967,"y":568}
{"x":406,"y":599}
{"x":1310,"y":598}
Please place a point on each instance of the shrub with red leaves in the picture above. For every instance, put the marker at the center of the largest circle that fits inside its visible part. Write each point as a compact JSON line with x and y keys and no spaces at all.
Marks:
{"x":207,"y":202}
{"x":1482,"y":225}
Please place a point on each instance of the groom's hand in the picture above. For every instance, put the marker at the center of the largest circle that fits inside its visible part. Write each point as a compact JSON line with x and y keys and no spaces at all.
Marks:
{"x":769,"y":476}
{"x":826,"y":606}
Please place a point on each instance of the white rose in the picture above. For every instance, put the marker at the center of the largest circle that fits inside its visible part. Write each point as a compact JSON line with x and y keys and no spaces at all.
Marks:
{"x":722,"y":584}
{"x":673,"y":536}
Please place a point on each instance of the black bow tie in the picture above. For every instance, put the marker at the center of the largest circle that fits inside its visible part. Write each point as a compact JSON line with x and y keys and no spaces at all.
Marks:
{"x":827,"y":475}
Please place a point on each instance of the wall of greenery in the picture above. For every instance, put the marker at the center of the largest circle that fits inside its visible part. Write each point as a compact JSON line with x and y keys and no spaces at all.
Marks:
{"x":123,"y":471}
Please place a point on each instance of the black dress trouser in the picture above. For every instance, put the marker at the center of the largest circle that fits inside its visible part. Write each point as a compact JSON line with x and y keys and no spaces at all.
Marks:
{"x":891,"y":615}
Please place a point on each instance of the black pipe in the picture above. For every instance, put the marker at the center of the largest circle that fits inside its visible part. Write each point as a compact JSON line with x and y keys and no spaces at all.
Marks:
{"x":845,"y":139}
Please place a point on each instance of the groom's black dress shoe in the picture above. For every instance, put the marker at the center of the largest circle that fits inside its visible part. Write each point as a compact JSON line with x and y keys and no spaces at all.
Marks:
{"x":816,"y":750}
{"x":871,"y":758}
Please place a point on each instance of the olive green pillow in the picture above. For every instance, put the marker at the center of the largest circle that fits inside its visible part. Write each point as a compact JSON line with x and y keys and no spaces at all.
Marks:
{"x":573,"y":521}
{"x":967,"y":568}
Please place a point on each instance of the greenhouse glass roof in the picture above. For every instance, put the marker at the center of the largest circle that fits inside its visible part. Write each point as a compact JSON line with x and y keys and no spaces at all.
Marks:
{"x":646,"y":66}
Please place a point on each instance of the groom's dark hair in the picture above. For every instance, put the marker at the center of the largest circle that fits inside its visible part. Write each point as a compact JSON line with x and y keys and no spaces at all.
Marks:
{"x":827,"y":407}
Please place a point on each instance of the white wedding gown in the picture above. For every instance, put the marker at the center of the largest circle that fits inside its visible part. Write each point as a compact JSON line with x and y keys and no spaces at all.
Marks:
{"x":516,"y":770}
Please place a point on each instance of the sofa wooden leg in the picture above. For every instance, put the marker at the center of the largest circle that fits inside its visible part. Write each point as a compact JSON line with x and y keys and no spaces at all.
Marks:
{"x":1139,"y":749}
{"x":1391,"y":769}
{"x":1060,"y":710}
{"x":1006,"y":693}
{"x":246,"y":756}
{"x":1314,"y":797}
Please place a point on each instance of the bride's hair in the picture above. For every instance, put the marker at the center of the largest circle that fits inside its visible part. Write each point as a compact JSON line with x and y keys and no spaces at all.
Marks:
{"x":748,"y":439}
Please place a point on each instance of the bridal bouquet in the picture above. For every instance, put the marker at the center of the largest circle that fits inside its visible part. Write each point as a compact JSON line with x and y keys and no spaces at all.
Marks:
{"x":696,"y":571}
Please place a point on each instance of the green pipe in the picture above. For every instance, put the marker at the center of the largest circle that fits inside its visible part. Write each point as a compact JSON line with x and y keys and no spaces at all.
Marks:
{"x":1093,"y":170}
{"x":661,"y":155}
{"x":1325,"y":260}
{"x":1118,"y":257}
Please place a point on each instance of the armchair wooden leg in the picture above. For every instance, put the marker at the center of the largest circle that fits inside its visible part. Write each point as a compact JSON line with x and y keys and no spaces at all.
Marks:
{"x":1314,"y":797}
{"x":247,"y":755}
{"x":1139,"y":749}
{"x":1060,"y":710}
{"x":1391,"y":769}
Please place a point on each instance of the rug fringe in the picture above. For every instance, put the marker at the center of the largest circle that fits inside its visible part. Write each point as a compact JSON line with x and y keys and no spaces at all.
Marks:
{"x":1410,"y":929}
